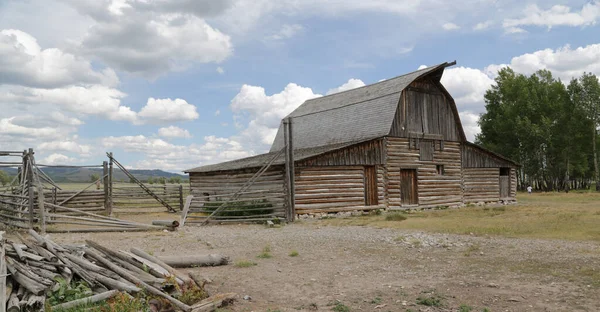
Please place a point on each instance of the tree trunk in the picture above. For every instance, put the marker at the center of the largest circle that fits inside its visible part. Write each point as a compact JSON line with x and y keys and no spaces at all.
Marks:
{"x":596,"y":174}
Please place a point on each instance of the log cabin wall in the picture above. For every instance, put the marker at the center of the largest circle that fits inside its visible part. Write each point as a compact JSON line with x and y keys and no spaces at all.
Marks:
{"x":513,"y":183}
{"x":481,"y":184}
{"x":329,"y":189}
{"x":482,"y":175}
{"x":435,"y":188}
{"x":220,"y":186}
{"x":336,"y":181}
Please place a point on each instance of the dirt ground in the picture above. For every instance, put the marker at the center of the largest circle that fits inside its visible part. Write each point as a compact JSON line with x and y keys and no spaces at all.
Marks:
{"x":371,"y":269}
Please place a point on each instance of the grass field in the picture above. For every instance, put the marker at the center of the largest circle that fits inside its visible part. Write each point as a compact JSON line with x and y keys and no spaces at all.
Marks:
{"x":572,"y":216}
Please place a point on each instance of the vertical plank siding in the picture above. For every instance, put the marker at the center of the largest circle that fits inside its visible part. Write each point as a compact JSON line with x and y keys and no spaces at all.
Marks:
{"x":481,"y":184}
{"x":424,"y":108}
{"x":329,"y":189}
{"x":433,"y":189}
{"x":366,"y":153}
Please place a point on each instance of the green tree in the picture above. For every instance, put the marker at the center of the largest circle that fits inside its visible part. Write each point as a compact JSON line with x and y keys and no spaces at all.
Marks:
{"x":161,"y":180}
{"x":150,"y":180}
{"x":94,"y":177}
{"x":585,"y":93}
{"x":175,"y":180}
{"x":4,"y":178}
{"x":535,"y":121}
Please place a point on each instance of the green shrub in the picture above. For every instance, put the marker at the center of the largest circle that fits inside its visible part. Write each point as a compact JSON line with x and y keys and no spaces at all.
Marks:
{"x":432,"y":301}
{"x":240,"y":209}
{"x":395,"y":217}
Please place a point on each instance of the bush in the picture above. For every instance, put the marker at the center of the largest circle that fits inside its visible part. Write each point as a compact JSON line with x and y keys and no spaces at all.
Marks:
{"x":395,"y":217}
{"x":247,"y":208}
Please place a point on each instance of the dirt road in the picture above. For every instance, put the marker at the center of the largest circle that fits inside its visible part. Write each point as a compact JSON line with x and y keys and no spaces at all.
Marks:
{"x":369,"y":269}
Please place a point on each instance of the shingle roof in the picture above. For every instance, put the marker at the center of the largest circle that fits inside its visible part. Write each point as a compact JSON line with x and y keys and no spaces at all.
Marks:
{"x":262,"y":159}
{"x":358,"y":114}
{"x":335,"y":121}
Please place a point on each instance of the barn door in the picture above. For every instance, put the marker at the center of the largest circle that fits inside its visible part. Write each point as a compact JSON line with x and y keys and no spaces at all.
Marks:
{"x":408,"y":187}
{"x":504,"y":182}
{"x":370,"y":186}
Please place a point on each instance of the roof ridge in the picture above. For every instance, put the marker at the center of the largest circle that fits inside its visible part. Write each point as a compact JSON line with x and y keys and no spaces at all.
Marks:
{"x":376,"y":83}
{"x":354,"y":103}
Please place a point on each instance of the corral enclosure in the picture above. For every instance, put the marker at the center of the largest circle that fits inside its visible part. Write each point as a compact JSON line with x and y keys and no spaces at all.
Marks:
{"x":33,"y":200}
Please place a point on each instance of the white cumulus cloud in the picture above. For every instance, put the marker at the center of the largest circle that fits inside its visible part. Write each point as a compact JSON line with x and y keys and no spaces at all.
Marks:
{"x":66,"y":146}
{"x":173,"y":132}
{"x":287,"y":31}
{"x":450,"y":26}
{"x":151,"y":38}
{"x":24,"y":62}
{"x":264,"y":112}
{"x":557,"y":15}
{"x":350,"y":84}
{"x":168,"y":110}
{"x":57,"y":159}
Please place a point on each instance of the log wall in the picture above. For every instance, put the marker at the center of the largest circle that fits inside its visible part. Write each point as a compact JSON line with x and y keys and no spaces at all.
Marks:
{"x":513,"y":183}
{"x":333,"y":189}
{"x":433,"y":189}
{"x":482,"y":184}
{"x":89,"y":201}
{"x":221,"y":186}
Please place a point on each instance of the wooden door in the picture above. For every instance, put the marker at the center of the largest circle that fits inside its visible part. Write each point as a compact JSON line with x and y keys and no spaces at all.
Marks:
{"x":408,"y":187}
{"x":371,"y":197}
{"x":504,"y":182}
{"x":504,"y":186}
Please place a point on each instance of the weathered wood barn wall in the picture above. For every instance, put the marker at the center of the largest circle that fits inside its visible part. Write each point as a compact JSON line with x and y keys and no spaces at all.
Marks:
{"x":395,"y":144}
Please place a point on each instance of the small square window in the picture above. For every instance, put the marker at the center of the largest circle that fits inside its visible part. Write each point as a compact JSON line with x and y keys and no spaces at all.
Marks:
{"x":440,"y":169}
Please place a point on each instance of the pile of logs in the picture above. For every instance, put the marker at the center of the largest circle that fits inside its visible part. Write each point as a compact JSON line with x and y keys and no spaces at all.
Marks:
{"x":32,"y":269}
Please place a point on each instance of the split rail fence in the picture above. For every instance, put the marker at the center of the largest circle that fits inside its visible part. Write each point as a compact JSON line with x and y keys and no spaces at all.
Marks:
{"x":32,"y":200}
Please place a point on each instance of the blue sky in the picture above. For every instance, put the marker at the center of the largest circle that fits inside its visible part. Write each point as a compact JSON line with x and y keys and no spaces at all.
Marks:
{"x":182,"y":83}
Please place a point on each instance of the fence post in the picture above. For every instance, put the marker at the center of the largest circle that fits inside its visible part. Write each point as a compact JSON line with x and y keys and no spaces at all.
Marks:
{"x":110,"y":181}
{"x":290,"y":213}
{"x":30,"y":191}
{"x":107,"y":202}
{"x":180,"y":197}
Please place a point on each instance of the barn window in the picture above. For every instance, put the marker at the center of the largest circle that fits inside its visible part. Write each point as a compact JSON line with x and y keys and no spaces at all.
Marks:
{"x":426,"y":150}
{"x":504,"y":171}
{"x":440,"y":169}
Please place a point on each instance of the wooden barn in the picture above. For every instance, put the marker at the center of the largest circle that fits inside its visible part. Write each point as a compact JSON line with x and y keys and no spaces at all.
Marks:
{"x":395,"y":144}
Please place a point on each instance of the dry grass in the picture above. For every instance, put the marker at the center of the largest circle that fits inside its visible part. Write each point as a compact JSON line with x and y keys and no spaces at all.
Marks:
{"x":573,"y":216}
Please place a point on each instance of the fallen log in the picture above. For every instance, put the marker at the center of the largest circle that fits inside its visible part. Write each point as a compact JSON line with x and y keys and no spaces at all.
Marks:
{"x":13,"y":302}
{"x":83,"y":301}
{"x":124,"y":257}
{"x":116,"y":284}
{"x":167,"y":223}
{"x":27,"y":283}
{"x":3,"y":288}
{"x":194,"y":260}
{"x":82,"y":262}
{"x":130,"y":277}
{"x":186,"y":279}
{"x":214,"y":302}
{"x":199,"y":280}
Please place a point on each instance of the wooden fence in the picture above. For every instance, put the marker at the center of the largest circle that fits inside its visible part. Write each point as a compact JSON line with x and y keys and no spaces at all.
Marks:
{"x":264,"y":199}
{"x":32,"y":200}
{"x":130,"y":198}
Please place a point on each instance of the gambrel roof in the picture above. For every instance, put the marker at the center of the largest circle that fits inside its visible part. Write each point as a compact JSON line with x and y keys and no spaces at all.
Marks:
{"x":339,"y":120}
{"x":355,"y":115}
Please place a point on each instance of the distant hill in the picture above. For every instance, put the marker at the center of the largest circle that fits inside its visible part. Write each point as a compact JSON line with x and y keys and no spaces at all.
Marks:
{"x":63,"y":175}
